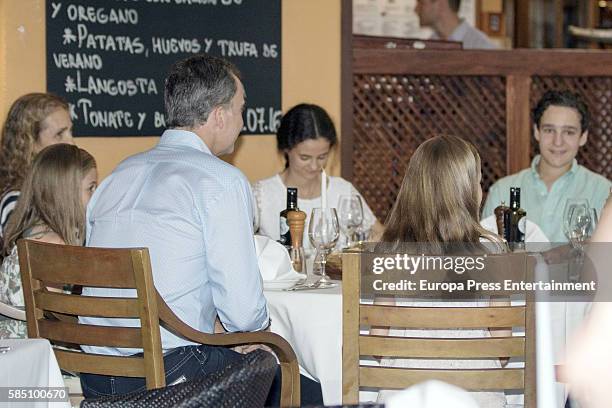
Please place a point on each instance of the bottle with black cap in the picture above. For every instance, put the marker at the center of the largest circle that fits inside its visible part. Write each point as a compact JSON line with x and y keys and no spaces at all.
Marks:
{"x":516,"y":220}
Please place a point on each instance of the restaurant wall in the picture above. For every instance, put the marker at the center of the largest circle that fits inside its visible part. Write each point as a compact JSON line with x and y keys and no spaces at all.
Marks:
{"x":310,"y":70}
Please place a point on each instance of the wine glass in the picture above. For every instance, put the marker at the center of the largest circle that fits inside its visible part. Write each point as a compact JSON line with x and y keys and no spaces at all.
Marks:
{"x":298,"y":259}
{"x":594,"y":220}
{"x":570,"y":205}
{"x":362,"y":234}
{"x":581,"y":224}
{"x":351,"y":215}
{"x":323,"y":231}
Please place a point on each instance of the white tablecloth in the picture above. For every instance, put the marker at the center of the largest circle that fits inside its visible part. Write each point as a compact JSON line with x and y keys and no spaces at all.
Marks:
{"x":311,"y":321}
{"x":30,"y":363}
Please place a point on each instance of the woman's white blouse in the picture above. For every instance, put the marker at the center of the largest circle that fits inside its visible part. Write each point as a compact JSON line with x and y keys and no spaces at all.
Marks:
{"x":271,"y":198}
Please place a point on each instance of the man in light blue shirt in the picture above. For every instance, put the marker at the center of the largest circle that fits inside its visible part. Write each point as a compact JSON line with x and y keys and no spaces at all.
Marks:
{"x":194,"y":213}
{"x":560,"y":126}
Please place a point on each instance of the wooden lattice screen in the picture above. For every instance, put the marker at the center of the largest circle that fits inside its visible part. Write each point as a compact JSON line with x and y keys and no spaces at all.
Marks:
{"x":396,"y":99}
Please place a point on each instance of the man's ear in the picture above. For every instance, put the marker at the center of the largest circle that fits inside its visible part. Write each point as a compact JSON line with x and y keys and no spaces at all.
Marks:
{"x":583,"y":138}
{"x":218,"y":118}
{"x":536,"y":133}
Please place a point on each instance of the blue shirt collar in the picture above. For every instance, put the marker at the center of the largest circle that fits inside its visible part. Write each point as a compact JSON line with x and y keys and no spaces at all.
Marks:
{"x":536,"y":161}
{"x":185,"y":138}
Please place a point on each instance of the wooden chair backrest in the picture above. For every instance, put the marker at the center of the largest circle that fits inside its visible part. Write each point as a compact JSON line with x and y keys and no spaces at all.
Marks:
{"x":52,"y":315}
{"x":357,"y":315}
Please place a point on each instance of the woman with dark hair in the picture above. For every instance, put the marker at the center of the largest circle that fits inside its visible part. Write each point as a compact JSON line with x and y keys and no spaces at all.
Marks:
{"x":34,"y":121}
{"x":305,"y":137}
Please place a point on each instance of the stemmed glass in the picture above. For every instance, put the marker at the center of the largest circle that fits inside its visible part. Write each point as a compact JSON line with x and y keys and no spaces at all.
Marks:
{"x":351,"y":216}
{"x":581,"y":224}
{"x":578,"y":224}
{"x":323,"y":231}
{"x":571,"y":206}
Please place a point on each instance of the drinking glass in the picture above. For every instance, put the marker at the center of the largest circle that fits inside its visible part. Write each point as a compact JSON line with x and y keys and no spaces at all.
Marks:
{"x":298,"y":259}
{"x":580,"y":226}
{"x":350,"y":208}
{"x":594,"y":220}
{"x":362,"y":234}
{"x":581,"y":223}
{"x":323,"y":232}
{"x":570,"y":205}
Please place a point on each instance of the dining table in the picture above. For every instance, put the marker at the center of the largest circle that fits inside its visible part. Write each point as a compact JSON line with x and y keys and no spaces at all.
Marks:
{"x":30,"y":375}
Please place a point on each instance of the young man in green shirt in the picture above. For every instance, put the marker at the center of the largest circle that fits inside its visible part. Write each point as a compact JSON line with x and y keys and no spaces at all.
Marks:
{"x":561,"y":121}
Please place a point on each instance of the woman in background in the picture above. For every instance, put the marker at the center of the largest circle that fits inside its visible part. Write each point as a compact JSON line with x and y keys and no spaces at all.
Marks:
{"x":438,"y":207}
{"x":305,"y":137}
{"x":34,"y":122}
{"x":51,"y":209}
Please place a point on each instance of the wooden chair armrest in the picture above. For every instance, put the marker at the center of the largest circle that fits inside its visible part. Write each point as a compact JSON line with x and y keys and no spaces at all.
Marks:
{"x":290,"y":370}
{"x":277,"y":343}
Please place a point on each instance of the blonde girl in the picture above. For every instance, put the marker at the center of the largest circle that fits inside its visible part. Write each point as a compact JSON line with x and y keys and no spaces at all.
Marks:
{"x":51,"y":209}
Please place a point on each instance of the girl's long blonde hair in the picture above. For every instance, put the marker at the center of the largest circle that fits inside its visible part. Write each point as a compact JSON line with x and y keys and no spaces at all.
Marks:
{"x":439,"y":200}
{"x":51,"y":195}
{"x":20,"y":133}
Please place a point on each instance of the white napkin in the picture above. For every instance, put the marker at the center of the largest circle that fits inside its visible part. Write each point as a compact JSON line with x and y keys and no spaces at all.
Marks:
{"x":431,"y":394}
{"x":273,"y":260}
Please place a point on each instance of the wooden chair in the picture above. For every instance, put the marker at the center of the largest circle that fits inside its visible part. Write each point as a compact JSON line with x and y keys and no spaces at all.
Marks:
{"x":355,"y":345}
{"x":53,"y":315}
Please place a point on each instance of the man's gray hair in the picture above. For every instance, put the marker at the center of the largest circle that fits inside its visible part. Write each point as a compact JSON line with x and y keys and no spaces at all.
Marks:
{"x":195,"y":86}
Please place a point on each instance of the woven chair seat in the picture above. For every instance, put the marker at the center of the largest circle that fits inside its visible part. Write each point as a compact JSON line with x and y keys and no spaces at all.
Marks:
{"x":245,"y":383}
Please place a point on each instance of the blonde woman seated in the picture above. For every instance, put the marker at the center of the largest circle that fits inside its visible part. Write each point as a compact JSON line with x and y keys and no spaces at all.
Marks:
{"x":438,"y":204}
{"x":51,"y":209}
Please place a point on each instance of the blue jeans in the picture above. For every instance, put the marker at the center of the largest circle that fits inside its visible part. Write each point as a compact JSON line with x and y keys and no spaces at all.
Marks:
{"x":181,"y":364}
{"x":188,"y":363}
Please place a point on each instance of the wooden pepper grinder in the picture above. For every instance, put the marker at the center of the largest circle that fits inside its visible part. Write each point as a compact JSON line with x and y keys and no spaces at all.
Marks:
{"x":296,"y":220}
{"x":500,"y":218}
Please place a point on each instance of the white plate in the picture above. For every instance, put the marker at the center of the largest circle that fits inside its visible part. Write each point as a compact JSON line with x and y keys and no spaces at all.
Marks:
{"x":280,"y":284}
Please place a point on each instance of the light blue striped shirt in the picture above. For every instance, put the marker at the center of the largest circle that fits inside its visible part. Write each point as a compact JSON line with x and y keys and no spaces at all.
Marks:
{"x":194,"y":213}
{"x":544,"y":207}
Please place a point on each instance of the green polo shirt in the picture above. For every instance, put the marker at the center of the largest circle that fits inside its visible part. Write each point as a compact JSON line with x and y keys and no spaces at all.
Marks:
{"x":544,"y":207}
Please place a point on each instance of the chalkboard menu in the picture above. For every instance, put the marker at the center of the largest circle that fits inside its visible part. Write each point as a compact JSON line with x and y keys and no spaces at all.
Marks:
{"x":109,"y":58}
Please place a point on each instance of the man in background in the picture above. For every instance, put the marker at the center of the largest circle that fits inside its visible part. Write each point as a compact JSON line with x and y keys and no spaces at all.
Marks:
{"x":441,"y":16}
